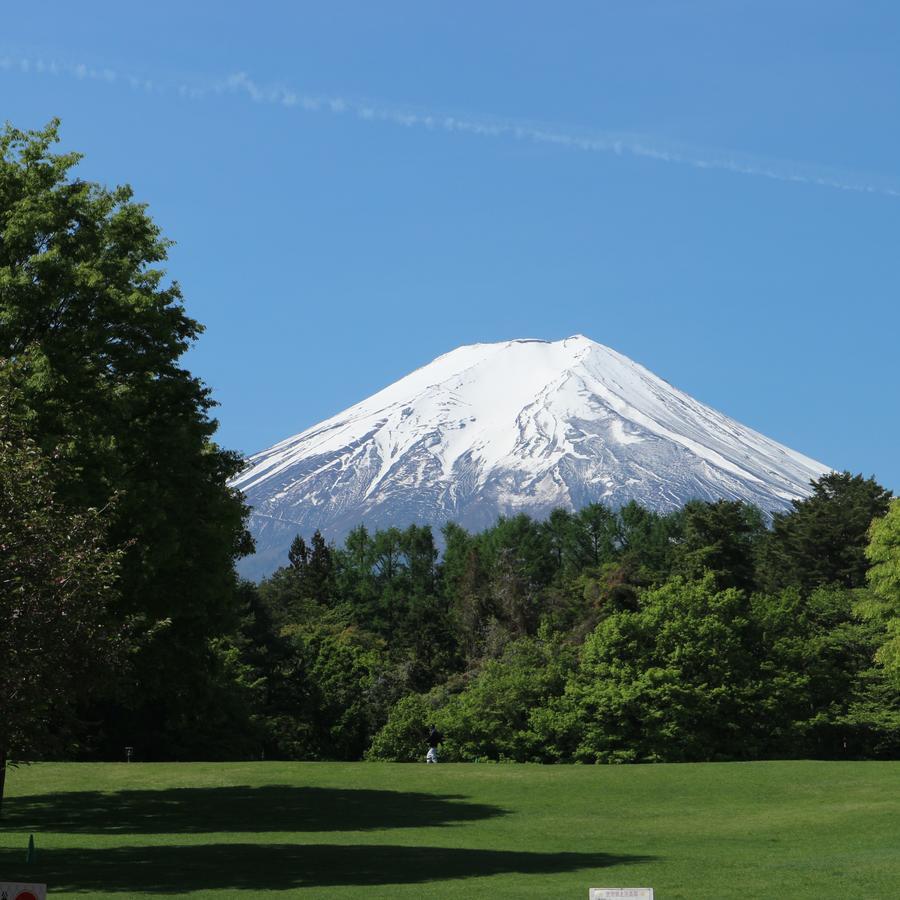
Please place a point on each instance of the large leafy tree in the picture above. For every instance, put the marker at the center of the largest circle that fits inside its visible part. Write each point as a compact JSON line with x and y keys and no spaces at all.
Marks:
{"x":97,"y":332}
{"x":57,"y":583}
{"x":882,"y":601}
{"x":330,"y":692}
{"x":815,"y":660}
{"x":675,"y":680}
{"x":498,"y":715}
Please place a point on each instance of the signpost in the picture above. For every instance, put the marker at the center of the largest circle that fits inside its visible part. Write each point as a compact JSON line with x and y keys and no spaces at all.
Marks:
{"x":621,"y":894}
{"x":10,"y":890}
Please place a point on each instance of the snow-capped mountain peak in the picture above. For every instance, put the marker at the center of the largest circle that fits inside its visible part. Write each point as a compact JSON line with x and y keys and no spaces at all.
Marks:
{"x":521,"y":425}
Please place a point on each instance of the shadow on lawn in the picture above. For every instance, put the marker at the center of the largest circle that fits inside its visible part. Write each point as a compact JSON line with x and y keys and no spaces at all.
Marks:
{"x":168,"y":869}
{"x":235,"y":809}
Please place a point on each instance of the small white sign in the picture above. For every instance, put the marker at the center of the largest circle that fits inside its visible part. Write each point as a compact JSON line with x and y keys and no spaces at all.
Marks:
{"x":13,"y":890}
{"x":621,"y":894}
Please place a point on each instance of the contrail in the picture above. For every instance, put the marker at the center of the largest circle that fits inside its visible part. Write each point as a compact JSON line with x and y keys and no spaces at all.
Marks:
{"x":640,"y":146}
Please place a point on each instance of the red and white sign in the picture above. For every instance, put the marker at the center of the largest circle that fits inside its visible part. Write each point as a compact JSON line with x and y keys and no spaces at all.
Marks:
{"x":13,"y":890}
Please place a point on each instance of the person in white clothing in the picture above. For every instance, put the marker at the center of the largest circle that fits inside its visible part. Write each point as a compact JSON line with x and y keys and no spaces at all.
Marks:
{"x":434,"y":739}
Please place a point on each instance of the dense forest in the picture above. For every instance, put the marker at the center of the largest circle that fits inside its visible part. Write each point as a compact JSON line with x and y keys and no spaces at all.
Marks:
{"x":596,"y":636}
{"x":599,"y":636}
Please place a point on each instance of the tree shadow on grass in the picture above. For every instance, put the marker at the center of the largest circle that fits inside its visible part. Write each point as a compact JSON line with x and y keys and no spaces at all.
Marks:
{"x":179,"y":869}
{"x":271,"y":808}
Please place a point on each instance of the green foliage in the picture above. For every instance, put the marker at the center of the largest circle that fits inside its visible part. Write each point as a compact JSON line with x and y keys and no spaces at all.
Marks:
{"x":97,"y":333}
{"x":217,"y":712}
{"x":823,"y":539}
{"x":882,"y":601}
{"x":722,"y":538}
{"x":312,"y":569}
{"x":281,"y":600}
{"x":871,"y":723}
{"x":298,"y":555}
{"x":675,"y":680}
{"x":330,"y":693}
{"x":645,"y":541}
{"x":593,"y":538}
{"x":489,"y":715}
{"x":497,"y":715}
{"x":58,"y":580}
{"x":466,"y":584}
{"x":402,"y":737}
{"x":522,"y":563}
{"x":603,"y":636}
{"x":816,"y":654}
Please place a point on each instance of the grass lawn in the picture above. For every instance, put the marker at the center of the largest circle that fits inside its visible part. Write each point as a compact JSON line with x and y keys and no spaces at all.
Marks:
{"x":696,"y":832}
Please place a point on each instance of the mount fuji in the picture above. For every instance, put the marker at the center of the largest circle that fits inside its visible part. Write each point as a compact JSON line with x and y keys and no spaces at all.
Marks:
{"x":497,"y":429}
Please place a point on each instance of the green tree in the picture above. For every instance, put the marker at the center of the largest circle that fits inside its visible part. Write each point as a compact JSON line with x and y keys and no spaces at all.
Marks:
{"x":593,"y":541}
{"x":823,"y":539}
{"x":298,"y":555}
{"x":402,"y":737}
{"x":644,"y":541}
{"x":676,"y":680}
{"x":522,"y":565}
{"x":496,"y":717}
{"x":86,"y":312}
{"x":318,"y":576}
{"x":58,"y":641}
{"x":466,"y":588}
{"x":355,"y":576}
{"x":558,"y":531}
{"x":723,"y":538}
{"x":422,"y":639}
{"x":872,"y":718}
{"x":814,"y":653}
{"x":420,"y":552}
{"x":881,"y":603}
{"x":331,"y":694}
{"x":282,"y":600}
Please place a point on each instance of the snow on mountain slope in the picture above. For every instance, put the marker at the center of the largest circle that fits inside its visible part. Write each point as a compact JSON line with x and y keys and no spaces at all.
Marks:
{"x":523,"y":425}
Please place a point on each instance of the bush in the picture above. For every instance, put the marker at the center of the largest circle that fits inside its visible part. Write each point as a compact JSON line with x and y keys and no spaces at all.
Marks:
{"x":402,"y":739}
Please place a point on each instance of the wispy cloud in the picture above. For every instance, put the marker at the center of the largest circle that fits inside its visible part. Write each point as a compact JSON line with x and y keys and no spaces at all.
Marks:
{"x":240,"y":84}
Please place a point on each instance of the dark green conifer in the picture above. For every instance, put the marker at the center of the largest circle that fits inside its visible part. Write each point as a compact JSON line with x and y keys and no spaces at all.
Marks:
{"x":823,"y":539}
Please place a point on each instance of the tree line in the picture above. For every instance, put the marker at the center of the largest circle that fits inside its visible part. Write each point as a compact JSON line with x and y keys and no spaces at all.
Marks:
{"x":597,"y":636}
{"x":602,"y":635}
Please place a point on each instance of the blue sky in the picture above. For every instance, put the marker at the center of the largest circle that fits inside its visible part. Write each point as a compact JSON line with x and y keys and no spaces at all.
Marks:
{"x":712,"y":188}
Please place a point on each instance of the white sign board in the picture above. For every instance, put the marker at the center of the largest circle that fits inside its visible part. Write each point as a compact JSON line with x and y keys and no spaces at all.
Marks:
{"x":621,"y":894}
{"x":12,"y":890}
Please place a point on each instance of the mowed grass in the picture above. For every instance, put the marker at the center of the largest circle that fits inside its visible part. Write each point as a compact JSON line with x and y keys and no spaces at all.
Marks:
{"x":696,"y":832}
